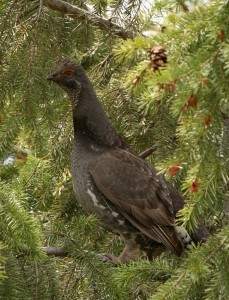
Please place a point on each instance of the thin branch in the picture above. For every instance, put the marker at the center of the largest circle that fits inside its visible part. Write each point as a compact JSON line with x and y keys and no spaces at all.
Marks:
{"x":26,"y":13}
{"x":32,"y":174}
{"x":52,"y":251}
{"x":147,"y":152}
{"x":37,"y":279}
{"x":184,"y":6}
{"x":211,"y":58}
{"x":226,"y":139}
{"x":55,"y":251}
{"x":83,"y":15}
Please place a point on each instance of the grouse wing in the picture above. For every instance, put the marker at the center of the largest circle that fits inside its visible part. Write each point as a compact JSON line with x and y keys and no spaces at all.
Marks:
{"x":140,"y":195}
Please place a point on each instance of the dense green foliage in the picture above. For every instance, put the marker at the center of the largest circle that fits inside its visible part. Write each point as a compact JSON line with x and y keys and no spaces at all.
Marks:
{"x":181,"y":111}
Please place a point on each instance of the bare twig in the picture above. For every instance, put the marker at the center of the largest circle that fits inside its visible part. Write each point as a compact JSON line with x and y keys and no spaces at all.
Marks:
{"x":147,"y":152}
{"x":184,"y":6}
{"x":83,"y":15}
{"x":37,"y":280}
{"x":55,"y":251}
{"x":226,"y":139}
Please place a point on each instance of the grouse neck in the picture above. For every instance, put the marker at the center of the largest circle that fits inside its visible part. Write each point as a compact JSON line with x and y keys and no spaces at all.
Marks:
{"x":91,"y":124}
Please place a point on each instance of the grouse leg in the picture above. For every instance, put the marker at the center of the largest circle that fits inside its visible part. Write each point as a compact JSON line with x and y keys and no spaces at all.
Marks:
{"x":130,"y":252}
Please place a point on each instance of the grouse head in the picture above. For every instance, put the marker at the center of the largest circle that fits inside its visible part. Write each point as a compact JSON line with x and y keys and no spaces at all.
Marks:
{"x":89,"y":118}
{"x":70,"y":76}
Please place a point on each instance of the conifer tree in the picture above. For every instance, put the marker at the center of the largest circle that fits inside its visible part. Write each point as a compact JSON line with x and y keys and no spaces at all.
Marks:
{"x":161,"y":70}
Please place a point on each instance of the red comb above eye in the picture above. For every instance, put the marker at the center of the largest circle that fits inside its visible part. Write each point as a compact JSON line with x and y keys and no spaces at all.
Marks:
{"x":68,"y":70}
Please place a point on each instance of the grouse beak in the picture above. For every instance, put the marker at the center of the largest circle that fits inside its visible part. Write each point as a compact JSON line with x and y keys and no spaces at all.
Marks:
{"x":50,"y":77}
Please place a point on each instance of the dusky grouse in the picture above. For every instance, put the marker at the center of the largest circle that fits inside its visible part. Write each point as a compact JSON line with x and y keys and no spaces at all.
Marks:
{"x":112,"y":182}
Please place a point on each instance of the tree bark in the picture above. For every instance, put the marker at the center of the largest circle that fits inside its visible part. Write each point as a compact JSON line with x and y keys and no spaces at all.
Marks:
{"x":83,"y":15}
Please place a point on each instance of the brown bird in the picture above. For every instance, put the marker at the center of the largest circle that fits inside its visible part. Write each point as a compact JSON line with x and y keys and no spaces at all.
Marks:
{"x":112,"y":182}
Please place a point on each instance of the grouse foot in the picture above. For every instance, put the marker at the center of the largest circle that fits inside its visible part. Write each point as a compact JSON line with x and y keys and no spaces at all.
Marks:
{"x":110,"y":259}
{"x":130,"y":252}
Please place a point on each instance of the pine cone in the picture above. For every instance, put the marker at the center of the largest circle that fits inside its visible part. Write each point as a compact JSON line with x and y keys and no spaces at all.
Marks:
{"x":158,"y":57}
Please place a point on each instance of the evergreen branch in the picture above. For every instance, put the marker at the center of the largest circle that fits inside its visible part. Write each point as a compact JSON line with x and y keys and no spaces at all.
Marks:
{"x":103,"y":62}
{"x":27,"y":12}
{"x":185,"y":274}
{"x":214,"y":55}
{"x":67,"y":284}
{"x":32,"y":174}
{"x":17,"y":225}
{"x":83,"y":15}
{"x":211,"y":58}
{"x":4,"y":24}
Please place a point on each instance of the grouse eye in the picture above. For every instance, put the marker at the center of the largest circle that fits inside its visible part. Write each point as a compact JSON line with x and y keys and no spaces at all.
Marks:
{"x":68,"y":72}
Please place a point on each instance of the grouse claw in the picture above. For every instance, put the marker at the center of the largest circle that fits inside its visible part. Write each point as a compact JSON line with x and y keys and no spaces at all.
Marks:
{"x":109,"y":259}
